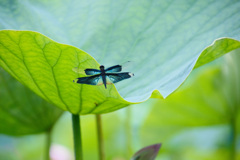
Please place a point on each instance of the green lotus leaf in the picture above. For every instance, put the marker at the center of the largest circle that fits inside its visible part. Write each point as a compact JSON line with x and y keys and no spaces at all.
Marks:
{"x":163,"y":39}
{"x":23,"y":112}
{"x":46,"y":68}
{"x":209,"y":97}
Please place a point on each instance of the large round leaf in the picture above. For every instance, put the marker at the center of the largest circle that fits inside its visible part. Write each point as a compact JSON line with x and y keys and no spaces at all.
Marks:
{"x":46,"y":68}
{"x":210,"y":97}
{"x":21,"y":111}
{"x":163,"y":38}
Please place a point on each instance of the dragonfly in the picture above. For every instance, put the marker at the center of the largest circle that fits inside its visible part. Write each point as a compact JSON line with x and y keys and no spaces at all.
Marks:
{"x":103,"y":76}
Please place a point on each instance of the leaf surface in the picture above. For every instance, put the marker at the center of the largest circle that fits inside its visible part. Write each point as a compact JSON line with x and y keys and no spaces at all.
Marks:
{"x":22,"y":112}
{"x":46,"y":68}
{"x":164,"y":39}
{"x":210,"y":97}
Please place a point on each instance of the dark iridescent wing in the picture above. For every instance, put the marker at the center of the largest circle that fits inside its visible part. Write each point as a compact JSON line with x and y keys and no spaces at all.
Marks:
{"x":92,"y":71}
{"x":116,"y":68}
{"x":116,"y":77}
{"x":86,"y":71}
{"x":91,"y":80}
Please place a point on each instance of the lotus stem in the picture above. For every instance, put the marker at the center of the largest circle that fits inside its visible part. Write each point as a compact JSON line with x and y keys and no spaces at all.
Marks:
{"x":100,"y":137}
{"x":129,"y":132}
{"x":48,"y":144}
{"x":77,"y":137}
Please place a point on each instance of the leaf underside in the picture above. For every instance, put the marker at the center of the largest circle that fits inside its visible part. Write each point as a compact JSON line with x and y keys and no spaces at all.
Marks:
{"x":22,"y":111}
{"x":210,"y":97}
{"x":164,"y":39}
{"x":46,"y":68}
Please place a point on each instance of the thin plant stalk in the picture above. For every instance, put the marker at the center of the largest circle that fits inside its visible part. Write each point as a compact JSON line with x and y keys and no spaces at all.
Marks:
{"x":100,"y":137}
{"x":129,"y":131}
{"x":48,"y":144}
{"x":77,"y":137}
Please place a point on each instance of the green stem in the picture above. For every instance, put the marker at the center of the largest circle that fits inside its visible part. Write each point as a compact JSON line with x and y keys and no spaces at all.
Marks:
{"x":77,"y":137}
{"x":100,"y":137}
{"x":48,"y":144}
{"x":129,"y":131}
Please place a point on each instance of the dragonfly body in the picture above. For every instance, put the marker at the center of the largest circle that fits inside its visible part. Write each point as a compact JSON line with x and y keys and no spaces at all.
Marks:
{"x":104,"y":76}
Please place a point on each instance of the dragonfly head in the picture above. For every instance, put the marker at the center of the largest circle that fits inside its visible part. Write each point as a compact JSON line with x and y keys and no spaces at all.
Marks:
{"x":101,"y":67}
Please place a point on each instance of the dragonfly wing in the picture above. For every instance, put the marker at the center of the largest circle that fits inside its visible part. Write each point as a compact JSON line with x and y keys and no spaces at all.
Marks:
{"x":92,"y":71}
{"x":92,"y":80}
{"x":116,"y":68}
{"x":116,"y":77}
{"x":86,"y":71}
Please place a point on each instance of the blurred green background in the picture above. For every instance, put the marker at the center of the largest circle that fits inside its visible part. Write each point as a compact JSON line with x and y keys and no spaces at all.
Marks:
{"x":198,"y":121}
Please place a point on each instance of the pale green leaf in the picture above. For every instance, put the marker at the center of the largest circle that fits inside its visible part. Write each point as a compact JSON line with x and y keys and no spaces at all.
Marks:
{"x":209,"y":97}
{"x":46,"y":68}
{"x":214,"y":51}
{"x":163,"y":38}
{"x":21,"y":111}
